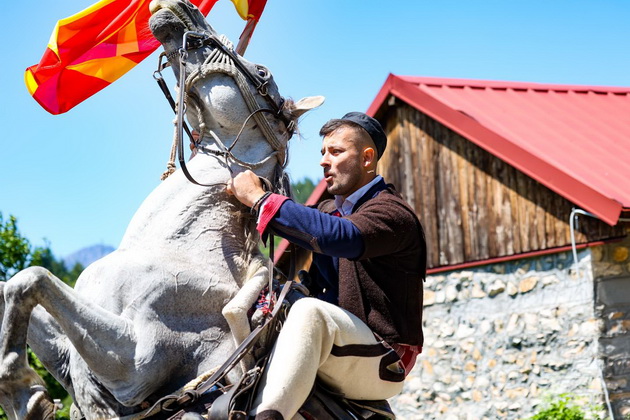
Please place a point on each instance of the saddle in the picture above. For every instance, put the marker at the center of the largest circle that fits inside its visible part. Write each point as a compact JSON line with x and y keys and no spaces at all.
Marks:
{"x":214,"y":399}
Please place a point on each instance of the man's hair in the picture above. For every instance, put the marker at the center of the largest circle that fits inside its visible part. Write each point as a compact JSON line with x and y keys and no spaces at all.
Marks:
{"x":336,"y":123}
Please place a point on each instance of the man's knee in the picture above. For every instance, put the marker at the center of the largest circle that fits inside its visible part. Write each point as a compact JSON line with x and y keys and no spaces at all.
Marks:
{"x":308,"y":309}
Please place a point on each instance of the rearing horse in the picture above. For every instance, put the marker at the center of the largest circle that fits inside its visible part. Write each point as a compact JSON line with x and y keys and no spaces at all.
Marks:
{"x":147,"y":319}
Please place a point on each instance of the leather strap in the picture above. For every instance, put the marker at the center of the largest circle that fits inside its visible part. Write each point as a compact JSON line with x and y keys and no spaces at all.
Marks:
{"x":174,"y":402}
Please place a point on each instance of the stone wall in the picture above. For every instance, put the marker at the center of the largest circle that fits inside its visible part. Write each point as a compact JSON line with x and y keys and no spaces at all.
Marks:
{"x":500,"y":338}
{"x":611,"y":271}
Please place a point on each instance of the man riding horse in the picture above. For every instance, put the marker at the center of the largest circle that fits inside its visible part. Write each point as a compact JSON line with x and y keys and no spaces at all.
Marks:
{"x":361,"y":334}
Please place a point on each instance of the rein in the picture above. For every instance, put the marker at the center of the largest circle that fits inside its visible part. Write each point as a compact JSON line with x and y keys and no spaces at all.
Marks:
{"x":223,"y":60}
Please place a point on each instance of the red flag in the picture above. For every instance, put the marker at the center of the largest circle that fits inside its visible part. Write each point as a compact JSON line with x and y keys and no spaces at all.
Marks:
{"x":93,"y":48}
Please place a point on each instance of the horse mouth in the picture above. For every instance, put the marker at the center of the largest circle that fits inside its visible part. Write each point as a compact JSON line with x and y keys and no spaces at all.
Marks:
{"x":171,"y":11}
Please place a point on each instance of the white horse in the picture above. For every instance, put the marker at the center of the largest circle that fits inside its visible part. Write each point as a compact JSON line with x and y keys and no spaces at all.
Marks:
{"x":148,"y":318}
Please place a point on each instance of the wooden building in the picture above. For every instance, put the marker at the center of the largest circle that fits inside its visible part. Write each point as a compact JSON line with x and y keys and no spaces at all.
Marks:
{"x":495,"y":169}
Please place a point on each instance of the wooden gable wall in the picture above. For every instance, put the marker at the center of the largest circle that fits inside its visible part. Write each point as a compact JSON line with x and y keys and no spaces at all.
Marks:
{"x":473,"y":206}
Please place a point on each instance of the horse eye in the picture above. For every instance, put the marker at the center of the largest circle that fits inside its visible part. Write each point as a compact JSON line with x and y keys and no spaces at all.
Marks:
{"x":262,"y":72}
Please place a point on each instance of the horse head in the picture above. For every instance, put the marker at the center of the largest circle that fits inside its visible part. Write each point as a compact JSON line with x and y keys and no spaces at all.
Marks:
{"x":230,"y":101}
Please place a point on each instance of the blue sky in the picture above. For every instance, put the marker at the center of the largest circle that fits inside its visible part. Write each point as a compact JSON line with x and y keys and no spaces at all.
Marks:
{"x":76,"y":179}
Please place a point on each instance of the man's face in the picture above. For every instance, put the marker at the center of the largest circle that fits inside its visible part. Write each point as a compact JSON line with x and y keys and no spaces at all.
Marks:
{"x":342,"y":162}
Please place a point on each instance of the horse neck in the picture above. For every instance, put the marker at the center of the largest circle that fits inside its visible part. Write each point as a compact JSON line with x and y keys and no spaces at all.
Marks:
{"x":187,"y":216}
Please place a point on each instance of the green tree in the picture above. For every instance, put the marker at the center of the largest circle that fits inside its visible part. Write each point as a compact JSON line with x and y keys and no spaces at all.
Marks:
{"x":16,"y":254}
{"x":14,"y":249}
{"x":43,"y":257}
{"x":302,"y":190}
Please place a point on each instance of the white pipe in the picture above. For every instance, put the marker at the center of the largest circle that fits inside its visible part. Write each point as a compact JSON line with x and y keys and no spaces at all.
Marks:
{"x":572,"y":219}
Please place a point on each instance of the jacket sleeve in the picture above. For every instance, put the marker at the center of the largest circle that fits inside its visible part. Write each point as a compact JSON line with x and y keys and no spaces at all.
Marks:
{"x":387,"y":227}
{"x":310,"y":228}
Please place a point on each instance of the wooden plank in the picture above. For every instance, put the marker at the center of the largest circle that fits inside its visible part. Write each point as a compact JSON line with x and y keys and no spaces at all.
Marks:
{"x":482,"y":179}
{"x":455,"y":234}
{"x":478,"y":235}
{"x":427,"y":173}
{"x":506,"y":224}
{"x":442,"y":184}
{"x":541,"y":215}
{"x":515,"y":209}
{"x":417,"y":161}
{"x":465,"y":175}
{"x":523,"y":212}
{"x":494,"y":236}
{"x":407,"y":174}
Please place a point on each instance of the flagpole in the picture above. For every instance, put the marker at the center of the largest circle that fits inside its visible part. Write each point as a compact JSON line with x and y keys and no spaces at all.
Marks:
{"x":243,"y":40}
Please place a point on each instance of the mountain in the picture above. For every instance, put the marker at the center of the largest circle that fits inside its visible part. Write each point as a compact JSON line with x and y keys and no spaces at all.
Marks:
{"x":86,"y":256}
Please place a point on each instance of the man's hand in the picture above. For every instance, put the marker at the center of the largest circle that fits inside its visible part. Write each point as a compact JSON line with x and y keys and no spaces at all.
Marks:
{"x":246,"y":187}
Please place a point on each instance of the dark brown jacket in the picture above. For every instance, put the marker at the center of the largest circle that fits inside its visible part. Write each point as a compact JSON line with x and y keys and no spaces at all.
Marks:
{"x":383,"y":287}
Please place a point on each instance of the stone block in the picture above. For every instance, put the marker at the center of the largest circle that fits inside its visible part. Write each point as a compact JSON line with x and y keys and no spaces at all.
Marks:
{"x":485,"y":326}
{"x":513,"y":375}
{"x":614,"y":291}
{"x":620,"y":254}
{"x":476,"y":395}
{"x":477,"y":292}
{"x":515,"y":325}
{"x":440,"y":296}
{"x":515,"y":407}
{"x":527,"y":284}
{"x":590,"y":328}
{"x":619,"y":365}
{"x":470,"y":367}
{"x":512,"y":290}
{"x":573,"y":330}
{"x":481,"y":381}
{"x":498,"y":326}
{"x":618,"y":328}
{"x":428,"y":297}
{"x":607,"y":269}
{"x":597,"y":253}
{"x":464,"y":331}
{"x":427,"y":367}
{"x":549,"y":280}
{"x":550,"y":324}
{"x":451,"y":293}
{"x":616,"y":315}
{"x":497,"y":287}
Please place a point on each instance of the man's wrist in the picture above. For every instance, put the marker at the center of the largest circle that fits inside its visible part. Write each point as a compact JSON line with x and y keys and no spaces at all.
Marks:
{"x":256,"y":205}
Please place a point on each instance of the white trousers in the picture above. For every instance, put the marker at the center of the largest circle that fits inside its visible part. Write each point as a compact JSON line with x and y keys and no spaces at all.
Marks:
{"x":312,"y":331}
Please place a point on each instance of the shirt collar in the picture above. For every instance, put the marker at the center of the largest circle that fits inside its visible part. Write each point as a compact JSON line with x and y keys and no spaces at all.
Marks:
{"x":345,"y":206}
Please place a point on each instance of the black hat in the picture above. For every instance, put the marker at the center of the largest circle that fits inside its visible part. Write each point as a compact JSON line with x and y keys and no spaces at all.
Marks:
{"x":372,"y":126}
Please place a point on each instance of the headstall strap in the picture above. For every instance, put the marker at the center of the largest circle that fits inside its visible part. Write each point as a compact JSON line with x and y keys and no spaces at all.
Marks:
{"x":221,"y":59}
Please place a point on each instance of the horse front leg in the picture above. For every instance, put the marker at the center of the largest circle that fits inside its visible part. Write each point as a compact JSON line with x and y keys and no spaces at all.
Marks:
{"x":104,"y":340}
{"x":235,"y":311}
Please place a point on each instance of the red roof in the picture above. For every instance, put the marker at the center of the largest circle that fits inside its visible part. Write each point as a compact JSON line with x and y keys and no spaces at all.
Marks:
{"x":573,"y":139}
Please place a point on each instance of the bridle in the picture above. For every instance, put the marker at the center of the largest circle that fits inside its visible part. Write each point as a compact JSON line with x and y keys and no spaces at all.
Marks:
{"x":221,"y":60}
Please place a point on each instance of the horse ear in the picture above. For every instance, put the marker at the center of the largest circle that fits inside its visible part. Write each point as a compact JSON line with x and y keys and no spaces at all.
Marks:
{"x":306,"y":104}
